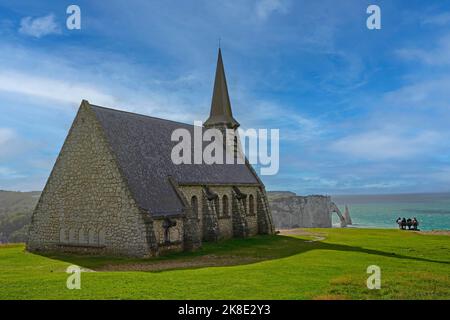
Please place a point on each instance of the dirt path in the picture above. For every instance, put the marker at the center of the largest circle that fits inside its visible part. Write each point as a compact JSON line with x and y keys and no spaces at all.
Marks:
{"x":436,"y":232}
{"x":301,"y":232}
{"x":197,"y":262}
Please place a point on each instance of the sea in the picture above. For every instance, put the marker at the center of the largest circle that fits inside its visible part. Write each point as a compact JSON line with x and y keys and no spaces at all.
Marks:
{"x":432,"y":210}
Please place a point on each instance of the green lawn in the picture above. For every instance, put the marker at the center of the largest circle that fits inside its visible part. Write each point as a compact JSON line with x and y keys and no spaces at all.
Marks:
{"x":333,"y":266}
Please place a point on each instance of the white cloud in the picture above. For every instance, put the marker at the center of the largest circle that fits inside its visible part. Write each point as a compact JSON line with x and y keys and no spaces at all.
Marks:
{"x":58,"y":90}
{"x":442,"y":174}
{"x":6,"y":136}
{"x":62,"y":92}
{"x":382,"y":145}
{"x":309,"y":128}
{"x":439,"y":55}
{"x":293,"y":125}
{"x":8,"y":173}
{"x":426,"y":94}
{"x":318,"y":181}
{"x":383,"y":185}
{"x":52,"y":80}
{"x":439,"y":19}
{"x":265,"y":8}
{"x":24,"y":183}
{"x":11,"y":144}
{"x":39,"y":27}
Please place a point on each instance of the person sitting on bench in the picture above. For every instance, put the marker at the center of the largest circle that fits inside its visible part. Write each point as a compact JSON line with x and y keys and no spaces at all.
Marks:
{"x":415,"y":223}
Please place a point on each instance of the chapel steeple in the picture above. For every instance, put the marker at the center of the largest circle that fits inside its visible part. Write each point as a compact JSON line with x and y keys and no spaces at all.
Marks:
{"x":221,"y":116}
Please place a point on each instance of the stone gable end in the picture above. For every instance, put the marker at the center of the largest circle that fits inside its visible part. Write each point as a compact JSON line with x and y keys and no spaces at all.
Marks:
{"x":86,"y":206}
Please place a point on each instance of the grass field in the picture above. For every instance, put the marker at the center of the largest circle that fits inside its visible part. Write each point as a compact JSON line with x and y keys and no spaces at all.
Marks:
{"x":305,"y":264}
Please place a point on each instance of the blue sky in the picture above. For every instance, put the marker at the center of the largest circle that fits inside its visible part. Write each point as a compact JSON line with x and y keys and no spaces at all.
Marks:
{"x":359,"y":111}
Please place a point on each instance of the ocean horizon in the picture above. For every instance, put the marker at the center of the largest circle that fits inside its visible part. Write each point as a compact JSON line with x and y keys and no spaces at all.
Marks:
{"x":381,"y":211}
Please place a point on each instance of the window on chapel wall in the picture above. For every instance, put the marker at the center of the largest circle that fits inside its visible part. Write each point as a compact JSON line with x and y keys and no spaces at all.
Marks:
{"x":102,"y":237}
{"x":225,"y":210}
{"x":251,"y":203}
{"x":194,"y":205}
{"x":92,"y":237}
{"x":82,"y":236}
{"x":217,"y":205}
{"x":72,"y":236}
{"x":63,"y":236}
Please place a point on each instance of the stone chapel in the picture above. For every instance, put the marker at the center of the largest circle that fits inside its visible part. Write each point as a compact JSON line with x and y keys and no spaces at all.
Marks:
{"x":115,"y":191}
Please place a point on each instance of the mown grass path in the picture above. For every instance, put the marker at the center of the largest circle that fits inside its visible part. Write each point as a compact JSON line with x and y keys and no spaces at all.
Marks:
{"x":304,"y":264}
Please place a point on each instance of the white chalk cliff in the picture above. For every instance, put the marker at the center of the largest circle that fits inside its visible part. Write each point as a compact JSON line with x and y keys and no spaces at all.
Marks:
{"x":314,"y":211}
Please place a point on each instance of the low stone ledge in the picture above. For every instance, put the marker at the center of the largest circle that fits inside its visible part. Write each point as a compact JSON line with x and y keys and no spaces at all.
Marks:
{"x":169,"y":244}
{"x":78,"y":245}
{"x":175,"y":246}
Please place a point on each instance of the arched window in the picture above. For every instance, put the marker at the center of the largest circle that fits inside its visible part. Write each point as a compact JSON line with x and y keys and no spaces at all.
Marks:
{"x":62,"y":236}
{"x":251,"y":203}
{"x":225,"y":209}
{"x":194,"y":205}
{"x":217,"y":205}
{"x":82,"y":236}
{"x":102,"y":237}
{"x":92,"y":237}
{"x":72,"y":236}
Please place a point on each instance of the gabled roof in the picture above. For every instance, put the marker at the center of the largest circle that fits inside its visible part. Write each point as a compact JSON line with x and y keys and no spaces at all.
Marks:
{"x":221,"y":114}
{"x":142,"y":146}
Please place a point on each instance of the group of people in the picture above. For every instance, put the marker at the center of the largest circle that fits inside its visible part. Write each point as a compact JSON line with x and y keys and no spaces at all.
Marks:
{"x":409,"y":223}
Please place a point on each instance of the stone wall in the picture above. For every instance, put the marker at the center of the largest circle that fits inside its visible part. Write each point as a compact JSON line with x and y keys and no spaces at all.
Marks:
{"x":211,"y":212}
{"x":86,"y":205}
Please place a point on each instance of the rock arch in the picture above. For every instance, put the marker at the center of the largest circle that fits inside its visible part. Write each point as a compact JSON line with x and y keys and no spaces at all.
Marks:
{"x":347,"y":217}
{"x":334,"y":208}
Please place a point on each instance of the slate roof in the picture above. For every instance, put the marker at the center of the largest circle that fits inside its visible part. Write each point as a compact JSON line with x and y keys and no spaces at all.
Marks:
{"x":143,"y":146}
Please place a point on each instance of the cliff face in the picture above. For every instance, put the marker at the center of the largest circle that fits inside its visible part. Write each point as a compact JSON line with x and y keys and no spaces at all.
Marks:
{"x":292,"y":211}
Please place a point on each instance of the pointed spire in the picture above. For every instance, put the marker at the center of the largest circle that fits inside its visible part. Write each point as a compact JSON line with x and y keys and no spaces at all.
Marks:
{"x":221,"y":114}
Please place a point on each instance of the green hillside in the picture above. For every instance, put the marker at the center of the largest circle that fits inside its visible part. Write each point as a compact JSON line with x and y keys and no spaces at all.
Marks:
{"x":12,"y":201}
{"x":304,"y":264}
{"x":15,"y":214}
